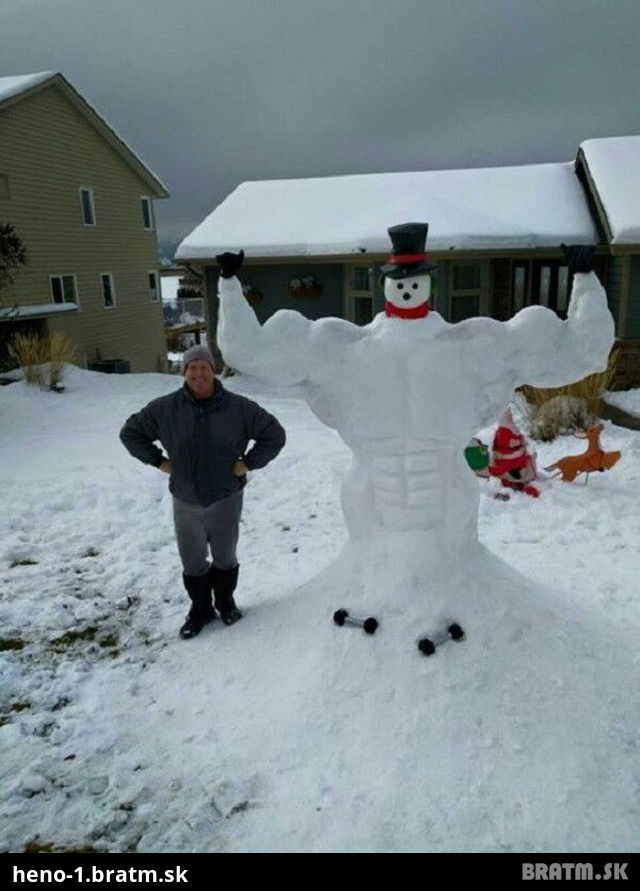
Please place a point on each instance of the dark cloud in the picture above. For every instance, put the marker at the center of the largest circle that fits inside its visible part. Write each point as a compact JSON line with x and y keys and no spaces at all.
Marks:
{"x":214,"y":92}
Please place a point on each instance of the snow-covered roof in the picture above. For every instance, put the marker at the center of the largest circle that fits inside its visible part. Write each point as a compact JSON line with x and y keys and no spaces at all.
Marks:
{"x":614,"y":166}
{"x":11,"y":87}
{"x":39,"y":310}
{"x":529,"y":206}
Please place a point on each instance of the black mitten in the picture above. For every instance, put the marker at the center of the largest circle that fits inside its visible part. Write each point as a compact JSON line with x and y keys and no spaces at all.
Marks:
{"x":579,"y":257}
{"x":229,"y":263}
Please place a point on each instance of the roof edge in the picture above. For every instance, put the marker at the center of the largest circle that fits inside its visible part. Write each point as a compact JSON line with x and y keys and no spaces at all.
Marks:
{"x":380,"y":257}
{"x":55,"y":78}
{"x":38,"y":81}
{"x":594,"y":200}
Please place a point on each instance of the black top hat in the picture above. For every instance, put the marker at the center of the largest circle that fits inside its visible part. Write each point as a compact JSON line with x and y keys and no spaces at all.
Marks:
{"x":408,"y":257}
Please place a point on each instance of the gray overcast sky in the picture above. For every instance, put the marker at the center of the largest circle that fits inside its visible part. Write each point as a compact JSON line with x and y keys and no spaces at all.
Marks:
{"x":210,"y":93}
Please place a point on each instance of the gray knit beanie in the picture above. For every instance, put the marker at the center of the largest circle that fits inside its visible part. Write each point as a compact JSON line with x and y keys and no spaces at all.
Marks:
{"x":197,"y":352}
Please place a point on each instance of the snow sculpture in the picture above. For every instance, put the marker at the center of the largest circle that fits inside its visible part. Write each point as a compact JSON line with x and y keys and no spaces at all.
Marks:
{"x":405,"y":393}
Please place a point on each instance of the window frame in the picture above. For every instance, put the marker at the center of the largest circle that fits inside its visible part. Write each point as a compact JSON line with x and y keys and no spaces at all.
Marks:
{"x":62,"y":276}
{"x":92,"y":205}
{"x":153,"y":299}
{"x":557,"y":282}
{"x":152,"y":223}
{"x":354,"y":297}
{"x":112,"y":286}
{"x":479,"y":291}
{"x":525,"y":267}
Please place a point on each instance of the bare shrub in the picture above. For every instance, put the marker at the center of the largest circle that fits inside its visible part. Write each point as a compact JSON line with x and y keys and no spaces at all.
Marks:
{"x":29,"y":352}
{"x":61,"y":352}
{"x":557,"y":416}
{"x":43,"y":359}
{"x":549,"y":412}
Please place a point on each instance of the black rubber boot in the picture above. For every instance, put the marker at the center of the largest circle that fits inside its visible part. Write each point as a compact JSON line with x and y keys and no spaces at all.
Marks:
{"x":202,"y":611}
{"x":224,"y":584}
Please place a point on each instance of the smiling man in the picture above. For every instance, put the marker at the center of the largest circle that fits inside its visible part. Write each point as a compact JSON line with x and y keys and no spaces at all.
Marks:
{"x":205,"y":431}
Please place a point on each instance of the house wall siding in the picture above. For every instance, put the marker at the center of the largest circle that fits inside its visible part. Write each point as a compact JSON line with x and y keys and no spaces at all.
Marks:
{"x":632,"y":328}
{"x":613,"y":286}
{"x":48,"y":151}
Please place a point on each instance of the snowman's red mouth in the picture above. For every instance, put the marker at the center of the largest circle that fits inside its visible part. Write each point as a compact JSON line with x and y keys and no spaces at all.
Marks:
{"x":414,"y":312}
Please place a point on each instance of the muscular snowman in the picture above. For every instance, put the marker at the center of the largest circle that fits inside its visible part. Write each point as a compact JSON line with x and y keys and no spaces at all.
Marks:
{"x":405,"y":393}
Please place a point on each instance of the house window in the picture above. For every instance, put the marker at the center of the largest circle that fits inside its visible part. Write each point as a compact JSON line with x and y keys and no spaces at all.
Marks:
{"x":361,"y":280}
{"x":362,"y":310}
{"x":520,"y":285}
{"x":87,"y":207}
{"x":545,"y":285}
{"x":466,"y":291}
{"x":147,"y":213}
{"x":5,"y":194}
{"x":563,"y":289}
{"x":550,"y":285}
{"x":153,"y":286}
{"x":108,"y":290}
{"x":466,"y":277}
{"x":63,"y":289}
{"x":360,"y":286}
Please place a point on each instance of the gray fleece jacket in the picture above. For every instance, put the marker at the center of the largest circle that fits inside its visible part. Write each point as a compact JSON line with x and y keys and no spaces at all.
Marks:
{"x":203,"y":439}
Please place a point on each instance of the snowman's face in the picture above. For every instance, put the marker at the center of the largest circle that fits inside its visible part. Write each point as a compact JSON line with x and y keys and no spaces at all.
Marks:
{"x":408,"y":292}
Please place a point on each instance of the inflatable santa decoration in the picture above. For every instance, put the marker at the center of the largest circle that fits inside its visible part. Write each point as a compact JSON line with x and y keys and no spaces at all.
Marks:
{"x":510,"y":461}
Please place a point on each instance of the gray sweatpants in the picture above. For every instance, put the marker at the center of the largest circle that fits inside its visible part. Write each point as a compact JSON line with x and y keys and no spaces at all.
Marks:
{"x":217,"y":526}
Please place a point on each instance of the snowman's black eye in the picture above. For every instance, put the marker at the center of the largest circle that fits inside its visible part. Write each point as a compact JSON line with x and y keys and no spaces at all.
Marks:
{"x":399,"y":286}
{"x":414,"y":285}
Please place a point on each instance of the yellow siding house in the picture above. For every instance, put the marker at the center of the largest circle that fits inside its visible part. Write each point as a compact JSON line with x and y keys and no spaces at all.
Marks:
{"x":82,"y":204}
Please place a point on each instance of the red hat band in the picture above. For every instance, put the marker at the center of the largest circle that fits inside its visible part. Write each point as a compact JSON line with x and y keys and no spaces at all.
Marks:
{"x":407,"y":259}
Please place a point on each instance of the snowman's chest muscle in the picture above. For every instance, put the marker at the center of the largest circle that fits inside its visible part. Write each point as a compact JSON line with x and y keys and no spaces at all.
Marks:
{"x":382,"y":389}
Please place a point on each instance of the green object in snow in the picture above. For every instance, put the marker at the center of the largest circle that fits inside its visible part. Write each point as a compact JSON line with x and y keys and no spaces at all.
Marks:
{"x":477,"y":457}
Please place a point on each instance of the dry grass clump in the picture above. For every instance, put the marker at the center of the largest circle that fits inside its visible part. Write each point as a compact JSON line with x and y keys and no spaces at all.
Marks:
{"x":43,"y":359}
{"x":555,"y":417}
{"x":27,"y":351}
{"x":549,"y":412}
{"x":61,"y":352}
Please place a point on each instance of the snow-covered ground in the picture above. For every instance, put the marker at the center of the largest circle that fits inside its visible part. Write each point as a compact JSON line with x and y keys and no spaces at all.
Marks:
{"x":285,"y":732}
{"x":628,"y":400}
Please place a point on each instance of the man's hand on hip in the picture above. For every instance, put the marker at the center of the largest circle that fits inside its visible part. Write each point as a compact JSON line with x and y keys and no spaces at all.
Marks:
{"x":165,"y":466}
{"x":240,"y":468}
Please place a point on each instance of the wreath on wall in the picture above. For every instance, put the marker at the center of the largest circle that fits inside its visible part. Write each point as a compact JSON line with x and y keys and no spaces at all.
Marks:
{"x":252,"y":295}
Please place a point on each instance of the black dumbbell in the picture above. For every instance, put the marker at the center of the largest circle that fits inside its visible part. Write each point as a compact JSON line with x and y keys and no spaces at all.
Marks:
{"x":427,"y":646}
{"x":341,"y":617}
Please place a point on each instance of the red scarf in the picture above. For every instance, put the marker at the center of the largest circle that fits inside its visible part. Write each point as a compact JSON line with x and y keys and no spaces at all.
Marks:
{"x":417,"y":312}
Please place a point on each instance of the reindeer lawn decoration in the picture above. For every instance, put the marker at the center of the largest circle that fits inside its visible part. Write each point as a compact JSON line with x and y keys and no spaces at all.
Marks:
{"x":593,"y":459}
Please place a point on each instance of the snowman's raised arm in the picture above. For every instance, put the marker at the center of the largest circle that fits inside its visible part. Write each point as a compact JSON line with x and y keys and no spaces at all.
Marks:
{"x":545,"y":351}
{"x":274,"y":351}
{"x":287,"y":349}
